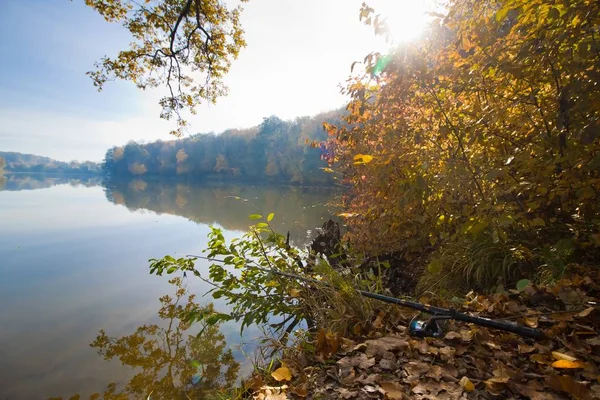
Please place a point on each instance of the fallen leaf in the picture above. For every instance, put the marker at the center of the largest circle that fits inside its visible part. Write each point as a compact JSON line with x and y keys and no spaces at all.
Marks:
{"x":452,"y":335}
{"x":494,"y":388}
{"x":416,"y":368}
{"x":540,"y":359}
{"x":378,"y":323}
{"x":525,"y":349}
{"x":586,"y":312}
{"x":435,"y":372}
{"x":567,"y":384}
{"x":568,"y":364}
{"x":531,"y":322}
{"x":300,"y":391}
{"x":346,"y":394}
{"x":360,"y":347}
{"x":393,"y":390}
{"x":562,"y":356}
{"x":466,"y":384}
{"x":426,"y":388}
{"x":493,"y":345}
{"x":530,"y":390}
{"x":360,"y":360}
{"x":501,"y":374}
{"x":370,"y":379}
{"x":449,"y":372}
{"x":447,"y":353}
{"x":282,"y":374}
{"x":466,"y":335}
{"x":349,"y":379}
{"x":388,"y":364}
{"x":378,"y":347}
{"x":255,"y":382}
{"x":370,"y":389}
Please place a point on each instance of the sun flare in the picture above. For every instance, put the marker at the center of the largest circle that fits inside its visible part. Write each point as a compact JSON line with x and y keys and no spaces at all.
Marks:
{"x":406,"y":19}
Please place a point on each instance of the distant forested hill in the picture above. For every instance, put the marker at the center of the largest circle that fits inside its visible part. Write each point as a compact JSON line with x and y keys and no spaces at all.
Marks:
{"x":20,"y":162}
{"x":274,"y":151}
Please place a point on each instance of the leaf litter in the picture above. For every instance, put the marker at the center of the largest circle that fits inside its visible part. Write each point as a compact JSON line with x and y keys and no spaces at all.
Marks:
{"x":469,"y":362}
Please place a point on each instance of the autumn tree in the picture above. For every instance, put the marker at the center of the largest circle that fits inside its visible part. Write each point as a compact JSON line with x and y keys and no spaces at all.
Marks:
{"x":186,"y":46}
{"x":276,"y":150}
{"x":181,"y":156}
{"x":475,"y":152}
{"x":221,"y":163}
{"x":137,"y":169}
{"x":2,"y":178}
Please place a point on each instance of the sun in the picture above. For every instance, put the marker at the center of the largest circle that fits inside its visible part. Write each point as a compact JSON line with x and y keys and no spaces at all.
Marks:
{"x":406,"y":19}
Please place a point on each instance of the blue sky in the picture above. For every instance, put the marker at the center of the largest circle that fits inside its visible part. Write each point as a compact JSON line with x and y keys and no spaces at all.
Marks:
{"x":298,"y":54}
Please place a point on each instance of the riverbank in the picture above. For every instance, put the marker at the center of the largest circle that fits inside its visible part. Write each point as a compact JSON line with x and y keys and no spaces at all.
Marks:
{"x":382,"y":361}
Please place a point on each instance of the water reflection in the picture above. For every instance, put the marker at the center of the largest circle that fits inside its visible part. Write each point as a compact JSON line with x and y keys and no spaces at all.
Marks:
{"x":298,"y":210}
{"x":16,"y":182}
{"x":171,"y":362}
{"x":72,"y":263}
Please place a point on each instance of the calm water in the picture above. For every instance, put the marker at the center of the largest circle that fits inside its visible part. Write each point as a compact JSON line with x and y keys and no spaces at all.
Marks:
{"x":74,"y":260}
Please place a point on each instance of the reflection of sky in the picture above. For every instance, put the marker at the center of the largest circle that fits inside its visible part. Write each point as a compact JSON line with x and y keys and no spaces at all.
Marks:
{"x":71,"y":264}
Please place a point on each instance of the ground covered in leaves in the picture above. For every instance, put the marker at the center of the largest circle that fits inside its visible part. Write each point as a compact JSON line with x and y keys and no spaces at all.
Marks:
{"x":383,"y":361}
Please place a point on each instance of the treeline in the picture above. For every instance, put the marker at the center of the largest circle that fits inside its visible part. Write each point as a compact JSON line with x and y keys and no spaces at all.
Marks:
{"x":18,"y":182}
{"x":275,"y":151}
{"x":19,"y":162}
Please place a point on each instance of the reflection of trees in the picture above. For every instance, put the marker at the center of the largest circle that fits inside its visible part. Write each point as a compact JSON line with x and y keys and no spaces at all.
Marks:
{"x":171,"y":363}
{"x":16,"y":182}
{"x":296,"y":209}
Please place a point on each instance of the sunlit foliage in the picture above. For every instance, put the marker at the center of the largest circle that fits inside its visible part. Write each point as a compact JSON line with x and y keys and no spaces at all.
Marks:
{"x":476,"y":151}
{"x":186,"y":46}
{"x":274,"y":151}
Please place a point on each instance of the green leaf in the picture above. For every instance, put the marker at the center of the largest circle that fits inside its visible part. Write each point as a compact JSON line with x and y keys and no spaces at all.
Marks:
{"x":255,"y":216}
{"x":434,"y":267}
{"x":262,"y":225}
{"x":270,"y":217}
{"x":522,"y":284}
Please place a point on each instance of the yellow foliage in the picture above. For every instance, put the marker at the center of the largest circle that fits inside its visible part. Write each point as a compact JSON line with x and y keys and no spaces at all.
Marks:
{"x":169,"y":39}
{"x":486,"y":128}
{"x":137,"y":168}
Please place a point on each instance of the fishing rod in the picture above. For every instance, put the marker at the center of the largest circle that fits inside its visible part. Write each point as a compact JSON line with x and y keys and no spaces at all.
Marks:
{"x":418,"y":326}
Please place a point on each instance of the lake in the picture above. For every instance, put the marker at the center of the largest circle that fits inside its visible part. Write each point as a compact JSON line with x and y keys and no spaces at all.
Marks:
{"x":74,"y":260}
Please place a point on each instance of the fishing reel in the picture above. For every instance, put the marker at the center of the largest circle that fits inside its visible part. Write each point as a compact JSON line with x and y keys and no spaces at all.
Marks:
{"x":424,"y":325}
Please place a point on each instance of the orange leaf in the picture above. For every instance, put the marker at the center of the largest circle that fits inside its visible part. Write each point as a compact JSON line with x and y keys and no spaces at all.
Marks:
{"x":568,"y":364}
{"x":282,"y":374}
{"x":467,"y":384}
